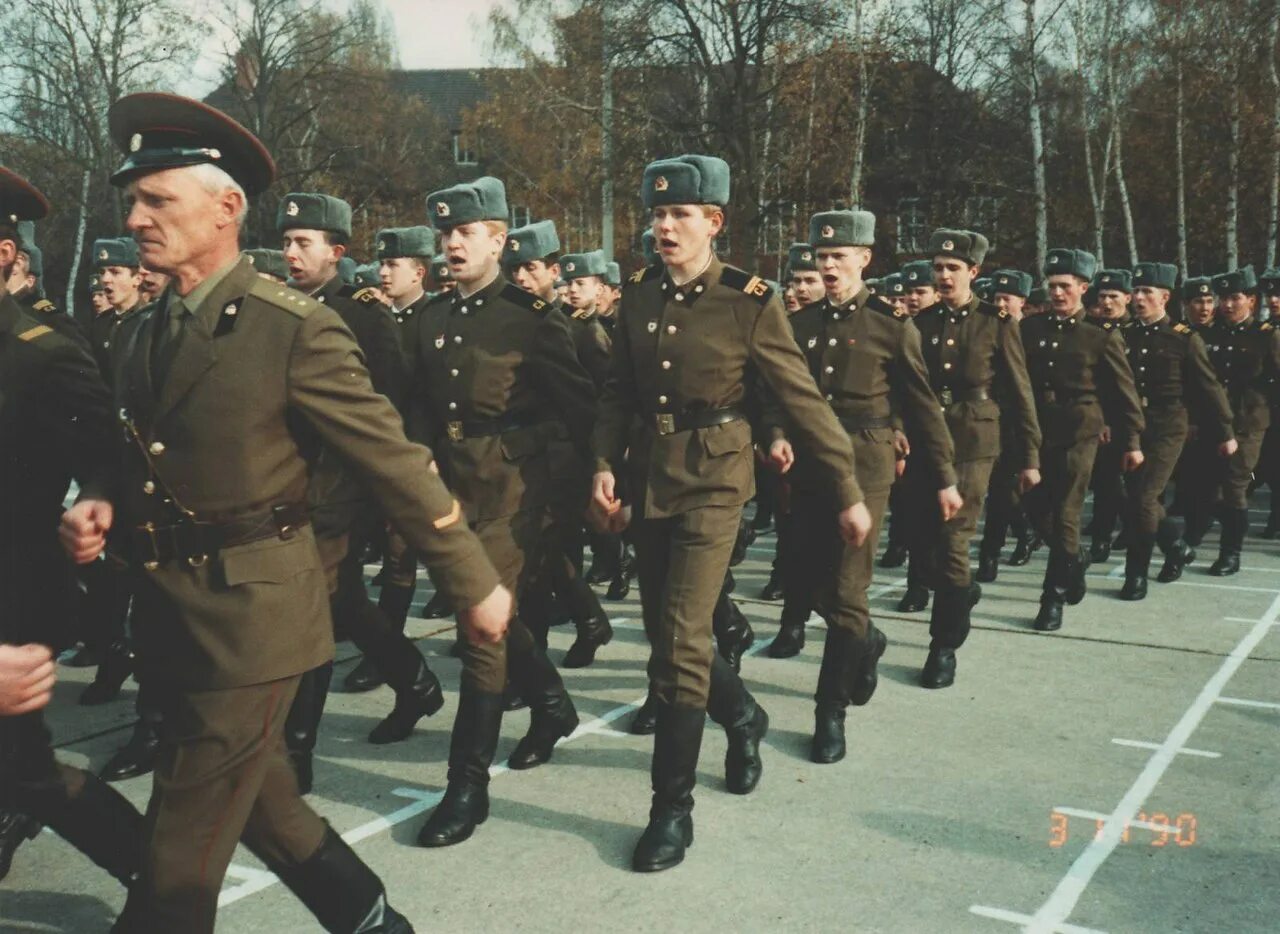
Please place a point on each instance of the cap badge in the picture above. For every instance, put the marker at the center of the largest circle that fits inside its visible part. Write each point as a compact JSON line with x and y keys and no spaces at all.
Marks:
{"x":827,"y":231}
{"x":569,"y":267}
{"x":382,"y":246}
{"x":1004,"y":280}
{"x":515,"y":246}
{"x":102,"y":254}
{"x":660,"y":183}
{"x":948,"y":244}
{"x":442,"y":209}
{"x":291,"y":209}
{"x":807,"y":256}
{"x":135,"y":142}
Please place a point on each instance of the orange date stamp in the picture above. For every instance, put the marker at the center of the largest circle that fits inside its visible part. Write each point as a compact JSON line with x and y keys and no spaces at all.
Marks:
{"x":1156,"y":829}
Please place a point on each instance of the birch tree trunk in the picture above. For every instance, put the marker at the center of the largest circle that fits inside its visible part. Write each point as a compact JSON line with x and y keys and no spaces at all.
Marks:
{"x":1233,"y":175}
{"x":864,"y":98}
{"x":1179,"y":121}
{"x":1035,"y":124}
{"x":69,"y":300}
{"x":1273,"y":76}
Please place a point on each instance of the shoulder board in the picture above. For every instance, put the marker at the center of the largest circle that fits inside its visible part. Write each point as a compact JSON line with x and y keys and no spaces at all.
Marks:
{"x":581,"y":313}
{"x":45,"y":306}
{"x":1182,"y":328}
{"x":754,"y":286}
{"x":35,"y":333}
{"x":876,"y":303}
{"x":518,"y":296}
{"x":647,"y":274}
{"x":367,"y":296}
{"x":283,"y":297}
{"x":1266,"y":326}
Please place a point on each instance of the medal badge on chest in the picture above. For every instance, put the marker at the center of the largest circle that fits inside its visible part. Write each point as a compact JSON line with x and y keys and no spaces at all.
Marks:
{"x":440,"y":342}
{"x":653,"y":326}
{"x":813,"y":342}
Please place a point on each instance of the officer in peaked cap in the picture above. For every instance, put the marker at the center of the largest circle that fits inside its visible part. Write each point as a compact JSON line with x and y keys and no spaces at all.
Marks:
{"x":973,"y":351}
{"x":231,"y":603}
{"x":1245,"y":353}
{"x":864,"y":354}
{"x":503,"y":395}
{"x":687,"y":331}
{"x":55,"y":410}
{"x":1078,"y":372}
{"x":1173,"y":376}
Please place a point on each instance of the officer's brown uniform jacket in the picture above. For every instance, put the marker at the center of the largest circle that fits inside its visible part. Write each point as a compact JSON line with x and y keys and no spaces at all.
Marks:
{"x":501,"y":356}
{"x":1173,"y":377}
{"x":865,"y":357}
{"x":978,"y":371}
{"x":55,"y":424}
{"x":1246,"y":359}
{"x":1076,"y":369}
{"x":706,"y":344}
{"x":262,"y":377}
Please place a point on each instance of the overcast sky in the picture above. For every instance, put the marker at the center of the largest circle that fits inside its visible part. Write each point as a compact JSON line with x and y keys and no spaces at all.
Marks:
{"x":442,"y":33}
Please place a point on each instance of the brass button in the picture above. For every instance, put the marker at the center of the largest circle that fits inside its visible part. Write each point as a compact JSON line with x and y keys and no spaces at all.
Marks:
{"x":453,"y":372}
{"x":830,"y":369}
{"x":671,"y":328}
{"x":666,"y":364}
{"x":457,"y":338}
{"x":157,"y":448}
{"x":453,"y":406}
{"x":951,"y":341}
{"x":662,"y":400}
{"x":148,"y":488}
{"x":832,"y":342}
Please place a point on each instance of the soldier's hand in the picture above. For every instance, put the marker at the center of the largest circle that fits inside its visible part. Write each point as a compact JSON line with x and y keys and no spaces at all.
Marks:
{"x":950,"y":501}
{"x":1132,"y":461}
{"x":487,"y":621}
{"x":26,"y":678}
{"x":855,"y":524}
{"x":618,"y":521}
{"x":602,"y":497}
{"x":1028,"y":479}
{"x":1228,"y":448}
{"x":84,"y":527}
{"x":899,"y":467}
{"x":901,"y":446}
{"x":782,"y":455}
{"x":1104,"y":437}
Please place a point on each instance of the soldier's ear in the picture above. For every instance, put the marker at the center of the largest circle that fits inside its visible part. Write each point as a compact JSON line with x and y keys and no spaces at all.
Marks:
{"x":8,"y":256}
{"x":339,"y":250}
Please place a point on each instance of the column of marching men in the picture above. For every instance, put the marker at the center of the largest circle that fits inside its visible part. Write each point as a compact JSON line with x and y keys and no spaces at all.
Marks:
{"x":248,"y":429}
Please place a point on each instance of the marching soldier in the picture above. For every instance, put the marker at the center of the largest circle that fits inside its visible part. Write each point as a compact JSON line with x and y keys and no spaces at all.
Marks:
{"x":865,"y":357}
{"x":153,"y":283}
{"x":24,"y":284}
{"x":269,"y":263}
{"x":98,"y":302}
{"x":315,"y":229}
{"x":233,"y":603}
{"x":1004,"y":501}
{"x":1268,"y":470}
{"x":1077,"y":371}
{"x":56,"y":413}
{"x":532,"y":254}
{"x":1245,"y":354}
{"x":978,"y":371}
{"x":1172,"y":374}
{"x":687,"y":334}
{"x":441,"y":275}
{"x":499,"y":387}
{"x":1199,"y":465}
{"x":1114,"y":291}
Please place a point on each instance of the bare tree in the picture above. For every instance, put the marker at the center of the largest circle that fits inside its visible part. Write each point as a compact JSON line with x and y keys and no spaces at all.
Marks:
{"x":66,"y":62}
{"x":1273,"y":83}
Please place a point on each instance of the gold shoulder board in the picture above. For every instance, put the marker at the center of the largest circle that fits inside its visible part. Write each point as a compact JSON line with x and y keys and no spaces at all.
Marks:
{"x":40,"y":330}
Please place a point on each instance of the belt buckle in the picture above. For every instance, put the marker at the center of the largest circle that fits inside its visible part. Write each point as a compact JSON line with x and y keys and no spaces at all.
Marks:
{"x":946,"y":397}
{"x":454,"y":430}
{"x":666,"y":423}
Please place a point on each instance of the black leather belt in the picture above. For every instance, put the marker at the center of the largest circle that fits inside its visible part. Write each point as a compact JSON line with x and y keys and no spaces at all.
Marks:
{"x":952,"y":396}
{"x":195,"y":542}
{"x":487,"y":427}
{"x":668,"y":423}
{"x":865,"y":422}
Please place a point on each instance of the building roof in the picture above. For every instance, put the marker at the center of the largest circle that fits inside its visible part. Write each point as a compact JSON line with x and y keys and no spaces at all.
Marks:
{"x":447,"y":91}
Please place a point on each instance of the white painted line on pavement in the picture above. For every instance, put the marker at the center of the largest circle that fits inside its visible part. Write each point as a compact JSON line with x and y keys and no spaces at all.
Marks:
{"x":1058,"y":907}
{"x":1246,"y":619}
{"x":1099,"y":816}
{"x":1242,"y":702}
{"x":999,"y":914}
{"x":1141,"y":744}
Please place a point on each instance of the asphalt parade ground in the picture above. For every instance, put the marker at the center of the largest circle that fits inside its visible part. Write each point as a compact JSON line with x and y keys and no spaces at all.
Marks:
{"x":1119,"y":775}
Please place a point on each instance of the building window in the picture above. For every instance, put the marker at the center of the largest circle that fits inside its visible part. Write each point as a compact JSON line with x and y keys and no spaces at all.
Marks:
{"x":912,"y":236}
{"x":463,"y":154}
{"x":520,"y":216}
